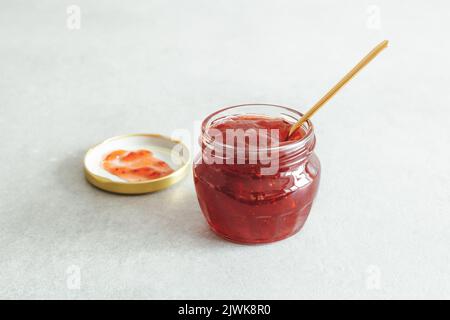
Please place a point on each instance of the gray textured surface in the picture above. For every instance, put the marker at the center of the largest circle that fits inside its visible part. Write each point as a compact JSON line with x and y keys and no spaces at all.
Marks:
{"x":382,"y":212}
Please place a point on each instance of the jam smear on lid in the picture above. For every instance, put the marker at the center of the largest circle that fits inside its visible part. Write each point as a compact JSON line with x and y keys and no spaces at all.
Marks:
{"x":135,"y":166}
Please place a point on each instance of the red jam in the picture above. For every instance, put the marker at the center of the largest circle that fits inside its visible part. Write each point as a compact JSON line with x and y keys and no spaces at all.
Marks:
{"x":135,"y":166}
{"x":243,"y":205}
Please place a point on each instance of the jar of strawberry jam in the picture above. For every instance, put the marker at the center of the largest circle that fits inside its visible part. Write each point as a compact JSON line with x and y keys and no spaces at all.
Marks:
{"x":254,"y":183}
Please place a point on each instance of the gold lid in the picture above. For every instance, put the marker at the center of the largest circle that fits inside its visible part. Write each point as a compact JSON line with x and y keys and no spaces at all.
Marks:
{"x":172,"y":151}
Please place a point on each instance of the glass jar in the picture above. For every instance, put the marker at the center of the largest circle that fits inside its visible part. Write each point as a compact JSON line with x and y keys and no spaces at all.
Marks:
{"x":256,"y":202}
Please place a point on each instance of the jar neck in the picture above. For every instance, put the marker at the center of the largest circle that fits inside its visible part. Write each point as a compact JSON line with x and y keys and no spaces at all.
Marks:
{"x":242,"y":156}
{"x":247,"y":144}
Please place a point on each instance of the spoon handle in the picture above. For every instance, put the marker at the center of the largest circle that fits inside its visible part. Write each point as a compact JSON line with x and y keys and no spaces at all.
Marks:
{"x":364,"y":61}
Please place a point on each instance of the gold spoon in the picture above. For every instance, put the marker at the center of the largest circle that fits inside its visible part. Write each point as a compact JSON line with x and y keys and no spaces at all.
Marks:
{"x":372,"y":54}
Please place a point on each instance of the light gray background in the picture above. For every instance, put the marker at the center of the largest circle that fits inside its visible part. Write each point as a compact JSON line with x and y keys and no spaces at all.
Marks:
{"x":380,"y":224}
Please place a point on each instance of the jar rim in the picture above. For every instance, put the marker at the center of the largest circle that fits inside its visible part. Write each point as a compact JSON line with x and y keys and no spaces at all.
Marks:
{"x":300,"y":143}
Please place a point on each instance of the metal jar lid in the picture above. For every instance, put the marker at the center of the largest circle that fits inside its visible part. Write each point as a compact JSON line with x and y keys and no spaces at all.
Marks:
{"x":172,"y":151}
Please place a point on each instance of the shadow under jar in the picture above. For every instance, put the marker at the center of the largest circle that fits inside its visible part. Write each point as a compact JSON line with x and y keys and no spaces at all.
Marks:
{"x":250,"y":191}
